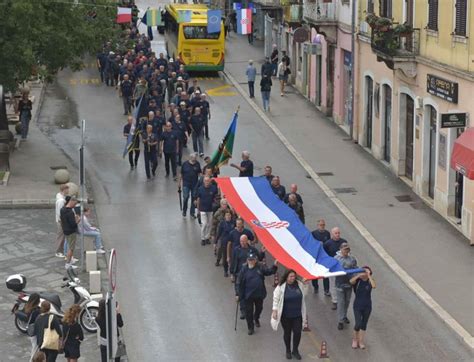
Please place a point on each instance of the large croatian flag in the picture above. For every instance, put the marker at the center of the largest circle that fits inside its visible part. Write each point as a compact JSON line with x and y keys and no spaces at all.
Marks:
{"x":279,"y":228}
{"x":244,"y":21}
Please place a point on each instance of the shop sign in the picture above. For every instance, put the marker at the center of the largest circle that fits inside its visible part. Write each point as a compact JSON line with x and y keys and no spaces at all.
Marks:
{"x":442,"y":88}
{"x":453,"y":120}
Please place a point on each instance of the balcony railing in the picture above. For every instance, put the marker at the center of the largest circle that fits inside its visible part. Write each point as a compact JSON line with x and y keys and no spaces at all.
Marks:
{"x":293,"y":13}
{"x":318,"y":11}
{"x":392,"y":44}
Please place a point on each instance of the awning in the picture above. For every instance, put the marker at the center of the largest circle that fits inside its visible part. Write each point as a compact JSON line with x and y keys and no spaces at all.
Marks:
{"x":462,"y":157}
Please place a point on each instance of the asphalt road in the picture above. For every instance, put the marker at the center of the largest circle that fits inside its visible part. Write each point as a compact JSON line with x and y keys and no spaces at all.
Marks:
{"x":176,"y":304}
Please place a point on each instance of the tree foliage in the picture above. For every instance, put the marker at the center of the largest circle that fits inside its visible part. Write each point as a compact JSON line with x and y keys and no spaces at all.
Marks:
{"x":44,"y":36}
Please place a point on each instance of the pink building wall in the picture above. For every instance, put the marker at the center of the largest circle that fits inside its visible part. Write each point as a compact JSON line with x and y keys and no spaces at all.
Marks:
{"x":312,"y":71}
{"x":343,"y":43}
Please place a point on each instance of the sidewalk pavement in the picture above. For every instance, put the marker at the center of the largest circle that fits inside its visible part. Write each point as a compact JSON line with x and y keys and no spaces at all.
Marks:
{"x":425,"y":245}
{"x":31,"y":181}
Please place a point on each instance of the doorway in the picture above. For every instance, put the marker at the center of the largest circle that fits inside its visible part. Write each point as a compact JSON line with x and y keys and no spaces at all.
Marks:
{"x":369,"y":107}
{"x":432,"y":152}
{"x":410,"y":112}
{"x":387,"y":91}
{"x":318,"y":79}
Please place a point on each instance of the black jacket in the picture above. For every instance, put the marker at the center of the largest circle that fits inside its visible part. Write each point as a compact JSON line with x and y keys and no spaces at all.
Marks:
{"x":332,"y":246}
{"x":251,"y":282}
{"x":266,"y":84}
{"x":68,"y":220}
{"x":41,"y":324}
{"x":239,"y":257}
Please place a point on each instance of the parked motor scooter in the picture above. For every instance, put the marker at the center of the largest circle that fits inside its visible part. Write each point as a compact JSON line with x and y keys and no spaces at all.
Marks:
{"x":82,"y":297}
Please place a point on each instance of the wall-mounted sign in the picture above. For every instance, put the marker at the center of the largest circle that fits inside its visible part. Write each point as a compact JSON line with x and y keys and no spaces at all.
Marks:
{"x":300,"y":35}
{"x":442,"y":88}
{"x":453,"y":120}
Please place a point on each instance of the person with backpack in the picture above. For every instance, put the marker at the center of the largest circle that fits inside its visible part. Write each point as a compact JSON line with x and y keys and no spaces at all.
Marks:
{"x":289,"y":308}
{"x":250,"y":288}
{"x":32,"y":310}
{"x":45,"y":321}
{"x":265,"y":88}
{"x":73,"y":334}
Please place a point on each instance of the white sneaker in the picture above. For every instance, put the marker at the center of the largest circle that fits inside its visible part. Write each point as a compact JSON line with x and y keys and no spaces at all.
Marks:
{"x":100,"y":251}
{"x":67,"y":266}
{"x":59,"y":255}
{"x":74,"y":260}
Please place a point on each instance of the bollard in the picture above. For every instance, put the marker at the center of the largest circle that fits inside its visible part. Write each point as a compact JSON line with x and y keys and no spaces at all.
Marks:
{"x":324,"y":350}
{"x":94,"y":282}
{"x":91,"y":260}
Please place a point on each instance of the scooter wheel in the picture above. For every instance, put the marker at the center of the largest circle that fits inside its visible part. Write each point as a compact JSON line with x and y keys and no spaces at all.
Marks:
{"x":87,"y":321}
{"x":21,"y":325}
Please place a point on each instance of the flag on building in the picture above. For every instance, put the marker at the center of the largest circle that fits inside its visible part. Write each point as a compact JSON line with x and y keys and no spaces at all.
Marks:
{"x":214,"y":19}
{"x":139,"y":112}
{"x":184,"y":16}
{"x":244,"y":21}
{"x":124,"y":15}
{"x":224,"y":153}
{"x":153,"y":17}
{"x":279,"y":228}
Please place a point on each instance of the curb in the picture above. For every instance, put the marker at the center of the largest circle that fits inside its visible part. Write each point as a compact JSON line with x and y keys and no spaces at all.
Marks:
{"x":369,"y":238}
{"x":27,"y":204}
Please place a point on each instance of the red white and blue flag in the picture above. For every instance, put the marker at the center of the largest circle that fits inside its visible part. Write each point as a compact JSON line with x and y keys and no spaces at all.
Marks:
{"x":279,"y":228}
{"x":244,"y":21}
{"x":124,"y":15}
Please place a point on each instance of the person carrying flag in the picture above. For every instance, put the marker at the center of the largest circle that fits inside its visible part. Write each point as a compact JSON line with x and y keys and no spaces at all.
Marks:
{"x":135,"y":145}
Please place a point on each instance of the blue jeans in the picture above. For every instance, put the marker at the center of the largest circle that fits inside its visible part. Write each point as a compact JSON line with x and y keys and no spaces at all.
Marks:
{"x":189,"y":191}
{"x":97,"y":238}
{"x":266,"y":100}
{"x":198,"y":139}
{"x":25,"y":125}
{"x":274,"y":69}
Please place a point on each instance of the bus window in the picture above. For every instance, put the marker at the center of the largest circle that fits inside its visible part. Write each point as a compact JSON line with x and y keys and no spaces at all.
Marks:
{"x":198,"y":32}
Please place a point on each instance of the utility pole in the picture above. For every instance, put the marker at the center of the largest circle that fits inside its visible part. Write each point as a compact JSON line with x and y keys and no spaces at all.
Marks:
{"x":353,"y":30}
{"x":82,"y":171}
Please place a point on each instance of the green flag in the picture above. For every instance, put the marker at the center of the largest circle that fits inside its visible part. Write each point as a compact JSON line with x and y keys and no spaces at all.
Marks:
{"x":224,"y":153}
{"x":153,"y":17}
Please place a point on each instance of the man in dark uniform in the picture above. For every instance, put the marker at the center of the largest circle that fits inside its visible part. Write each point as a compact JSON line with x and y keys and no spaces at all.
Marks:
{"x":181,"y":131}
{"x":234,"y":239}
{"x":206,"y":114}
{"x":277,"y":188}
{"x":293,"y":190}
{"x":150,"y":143}
{"x":322,"y":235}
{"x":190,"y":172}
{"x":296,"y":206}
{"x":197,"y":126}
{"x":135,"y":147}
{"x":268,"y":174}
{"x":169,"y":145}
{"x":331,"y":247}
{"x":250,"y":287}
{"x":246,"y":166}
{"x":126,"y":91}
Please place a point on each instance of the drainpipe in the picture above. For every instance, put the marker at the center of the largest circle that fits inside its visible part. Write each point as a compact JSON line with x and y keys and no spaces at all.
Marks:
{"x":353,"y":30}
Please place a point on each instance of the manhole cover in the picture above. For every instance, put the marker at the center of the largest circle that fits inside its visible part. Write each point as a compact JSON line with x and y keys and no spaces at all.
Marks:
{"x":345,"y":190}
{"x":404,"y":198}
{"x":418,"y":205}
{"x":324,"y":173}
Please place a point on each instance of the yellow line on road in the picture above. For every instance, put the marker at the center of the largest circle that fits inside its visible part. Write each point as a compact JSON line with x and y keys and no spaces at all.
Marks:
{"x":370,"y":239}
{"x":220,"y":91}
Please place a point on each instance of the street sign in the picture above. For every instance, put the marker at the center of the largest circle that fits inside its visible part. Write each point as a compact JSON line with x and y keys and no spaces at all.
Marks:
{"x":300,"y":35}
{"x":113,"y":270}
{"x":453,"y":120}
{"x":442,"y":88}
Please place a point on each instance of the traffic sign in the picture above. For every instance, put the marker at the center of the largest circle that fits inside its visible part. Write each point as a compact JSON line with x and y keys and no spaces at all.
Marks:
{"x":113,"y":270}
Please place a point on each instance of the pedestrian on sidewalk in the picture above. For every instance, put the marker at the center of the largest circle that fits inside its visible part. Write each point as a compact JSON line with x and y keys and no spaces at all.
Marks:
{"x":331,"y":247}
{"x":251,"y":73}
{"x":46,"y":320}
{"x":289,"y":307}
{"x":24,"y":108}
{"x":169,"y":146}
{"x":60,"y":202}
{"x":197,"y":126}
{"x":126,"y":92}
{"x":250,"y":288}
{"x":343,"y":285}
{"x":134,"y":151}
{"x":69,"y":221}
{"x":282,"y":76}
{"x":88,"y":230}
{"x":363,"y":284}
{"x":206,"y":195}
{"x":150,"y":144}
{"x":266,"y":88}
{"x":190,"y":172}
{"x":274,"y":60}
{"x":73,"y":334}
{"x":322,"y":235}
{"x":246,"y":166}
{"x":266,"y":68}
{"x":32,"y":310}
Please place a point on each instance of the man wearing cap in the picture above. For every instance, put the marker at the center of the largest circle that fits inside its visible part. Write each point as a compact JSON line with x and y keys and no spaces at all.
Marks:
{"x":246,"y":166}
{"x":331,"y":247}
{"x":250,"y":288}
{"x":69,"y":221}
{"x":251,"y":73}
{"x":343,"y":285}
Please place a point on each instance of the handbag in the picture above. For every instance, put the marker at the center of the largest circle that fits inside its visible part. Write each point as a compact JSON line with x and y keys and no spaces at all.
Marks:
{"x":121,"y":347}
{"x":50,"y":337}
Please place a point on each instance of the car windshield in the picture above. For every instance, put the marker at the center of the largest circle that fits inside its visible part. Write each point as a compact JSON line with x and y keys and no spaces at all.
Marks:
{"x":198,"y":32}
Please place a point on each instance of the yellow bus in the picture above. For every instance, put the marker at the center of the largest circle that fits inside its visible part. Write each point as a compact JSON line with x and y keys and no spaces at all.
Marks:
{"x":190,"y":43}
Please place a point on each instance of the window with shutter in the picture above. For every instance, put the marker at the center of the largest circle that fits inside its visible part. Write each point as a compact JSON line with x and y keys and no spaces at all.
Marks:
{"x":461,"y":18}
{"x":386,"y":8}
{"x":370,"y":6}
{"x":433,"y":15}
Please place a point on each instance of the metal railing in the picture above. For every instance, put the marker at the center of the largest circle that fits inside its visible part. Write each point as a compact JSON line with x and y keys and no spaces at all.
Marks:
{"x":319,"y":11}
{"x":394,"y":44}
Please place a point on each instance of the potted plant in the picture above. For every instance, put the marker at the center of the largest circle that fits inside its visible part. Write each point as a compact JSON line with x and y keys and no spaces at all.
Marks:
{"x":383,"y":24}
{"x":403,"y":29}
{"x":371,"y":19}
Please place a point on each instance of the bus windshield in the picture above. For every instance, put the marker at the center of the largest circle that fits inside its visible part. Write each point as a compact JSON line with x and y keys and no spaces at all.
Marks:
{"x":198,"y":32}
